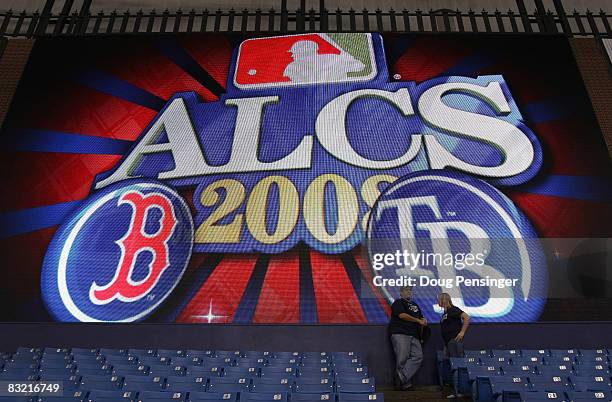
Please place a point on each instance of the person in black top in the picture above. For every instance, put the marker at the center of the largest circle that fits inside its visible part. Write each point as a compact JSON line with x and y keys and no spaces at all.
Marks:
{"x":404,"y":328}
{"x":454,"y":324}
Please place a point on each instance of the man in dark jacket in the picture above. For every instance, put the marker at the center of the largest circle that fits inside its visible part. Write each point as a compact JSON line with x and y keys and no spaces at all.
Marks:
{"x":405,"y":327}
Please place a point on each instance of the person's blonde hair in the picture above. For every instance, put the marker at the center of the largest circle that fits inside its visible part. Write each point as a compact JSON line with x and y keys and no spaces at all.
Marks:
{"x":445,"y":299}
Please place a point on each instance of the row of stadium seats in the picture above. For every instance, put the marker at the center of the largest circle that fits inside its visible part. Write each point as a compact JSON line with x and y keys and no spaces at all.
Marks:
{"x":158,"y":375}
{"x":148,"y":396}
{"x":570,"y":396}
{"x":490,"y":375}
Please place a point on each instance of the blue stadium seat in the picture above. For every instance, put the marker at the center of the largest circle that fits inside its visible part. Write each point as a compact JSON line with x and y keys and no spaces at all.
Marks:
{"x":277,"y":371}
{"x":508,"y":353}
{"x":367,"y":386}
{"x":346,"y":397}
{"x":558,"y":387}
{"x":142,"y":352}
{"x":199,"y":353}
{"x":130,"y":369}
{"x":594,"y":352}
{"x":171,"y":353}
{"x":19,"y":375}
{"x":153,"y":396}
{"x":535,"y":352}
{"x":494,"y":361}
{"x":313,"y":388}
{"x":218,"y":361}
{"x":355,"y":380}
{"x":153,"y":360}
{"x":88,"y":370}
{"x":261,"y":397}
{"x":589,"y":396}
{"x":84,"y":351}
{"x":241,"y":371}
{"x":204,"y":371}
{"x":227,"y":388}
{"x":478,"y":353}
{"x":273,"y":380}
{"x":15,"y":399}
{"x":227,"y":353}
{"x":77,"y":396}
{"x":312,"y":397}
{"x":490,"y":388}
{"x":167,"y":370}
{"x":283,"y":362}
{"x":210,"y":396}
{"x":317,"y":371}
{"x":184,"y":361}
{"x":313,"y":380}
{"x":590,"y":383}
{"x":288,"y":355}
{"x":113,"y":352}
{"x":542,"y":396}
{"x":107,"y":384}
{"x":187,"y":386}
{"x":271,"y":388}
{"x":96,"y":394}
{"x":564,"y":352}
{"x":519,"y":370}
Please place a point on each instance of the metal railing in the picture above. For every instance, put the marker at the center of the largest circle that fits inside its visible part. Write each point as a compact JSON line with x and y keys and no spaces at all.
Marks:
{"x":24,"y":24}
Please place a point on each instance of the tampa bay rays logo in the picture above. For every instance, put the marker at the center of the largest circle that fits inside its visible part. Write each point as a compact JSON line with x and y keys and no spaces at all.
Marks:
{"x":442,"y":231}
{"x":119,"y":255}
{"x":136,"y":241}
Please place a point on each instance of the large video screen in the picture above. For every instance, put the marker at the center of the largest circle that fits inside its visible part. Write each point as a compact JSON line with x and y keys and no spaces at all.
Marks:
{"x":301,"y":179}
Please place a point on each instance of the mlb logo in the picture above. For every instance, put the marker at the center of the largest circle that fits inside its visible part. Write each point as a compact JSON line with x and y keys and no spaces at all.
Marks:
{"x":305,"y":59}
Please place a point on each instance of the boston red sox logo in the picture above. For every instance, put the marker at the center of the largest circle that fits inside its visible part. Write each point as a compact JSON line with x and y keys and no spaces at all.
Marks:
{"x":119,"y":255}
{"x":136,"y":241}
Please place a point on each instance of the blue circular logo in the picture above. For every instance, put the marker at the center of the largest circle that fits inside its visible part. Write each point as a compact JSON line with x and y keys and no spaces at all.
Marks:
{"x":119,"y":255}
{"x":440,"y":231}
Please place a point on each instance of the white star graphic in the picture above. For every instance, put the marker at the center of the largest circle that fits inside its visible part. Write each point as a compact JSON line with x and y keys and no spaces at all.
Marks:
{"x":210,"y":316}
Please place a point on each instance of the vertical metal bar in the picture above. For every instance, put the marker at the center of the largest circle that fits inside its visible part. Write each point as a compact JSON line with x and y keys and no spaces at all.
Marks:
{"x":338,"y":20}
{"x":392,"y":20}
{"x":284,"y":19}
{"x":230,"y":20}
{"x":32,"y":26}
{"x":97,"y":23}
{"x":204,"y":22}
{"x":72,"y":22}
{"x":524,"y":16}
{"x":311,"y":20}
{"x":560,"y":10}
{"x":544,"y":17}
{"x":271,"y":18}
{"x":177,"y":21}
{"x":500,"y":21}
{"x":137,"y":21}
{"x":432,"y":19}
{"x":459,"y":17}
{"x":579,"y":24}
{"x":447,"y":26}
{"x":190,"y":20}
{"x":419,"y":17}
{"x":604,"y":19}
{"x":111,"y":21}
{"x":301,"y":17}
{"x":258,"y":20}
{"x":485,"y":19}
{"x":473,"y":22}
{"x":217,"y":26}
{"x":366,"y":20}
{"x":19,"y":24}
{"x":124,"y":21}
{"x":406,"y":16}
{"x":84,"y":16}
{"x":164,"y":21}
{"x":323,"y":17}
{"x":352,"y":20}
{"x":513,"y":24}
{"x":5,"y":22}
{"x":592,"y":23}
{"x":244,"y":23}
{"x":45,"y":15}
{"x":151,"y":21}
{"x":379,"y":21}
{"x":61,"y":19}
